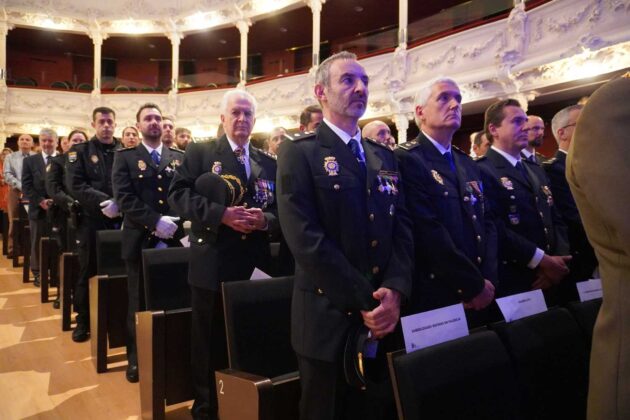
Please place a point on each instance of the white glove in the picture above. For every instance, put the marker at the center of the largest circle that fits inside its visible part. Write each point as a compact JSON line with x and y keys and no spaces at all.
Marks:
{"x":166,"y":227}
{"x":110,"y":209}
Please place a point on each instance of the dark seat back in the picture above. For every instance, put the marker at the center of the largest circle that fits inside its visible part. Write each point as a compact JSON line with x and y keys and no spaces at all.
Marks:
{"x":585,"y":313}
{"x":108,"y":253}
{"x":551,"y":364}
{"x":258,"y":324}
{"x":166,"y":278}
{"x":468,"y":378}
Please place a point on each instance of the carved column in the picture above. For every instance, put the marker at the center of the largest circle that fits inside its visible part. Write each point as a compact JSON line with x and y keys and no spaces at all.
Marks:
{"x":97,"y":39}
{"x":316,"y":9}
{"x":402,"y":24}
{"x":402,"y":125}
{"x":243,"y":27}
{"x":175,"y":38}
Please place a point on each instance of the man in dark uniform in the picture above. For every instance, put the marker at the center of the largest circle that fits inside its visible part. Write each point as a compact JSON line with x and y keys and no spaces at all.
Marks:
{"x":34,"y":188}
{"x":535,"y":127}
{"x":533,"y":245}
{"x":455,"y":242}
{"x":226,"y":242}
{"x":89,"y":180}
{"x":341,"y":208}
{"x":584,"y":261}
{"x":141,"y":177}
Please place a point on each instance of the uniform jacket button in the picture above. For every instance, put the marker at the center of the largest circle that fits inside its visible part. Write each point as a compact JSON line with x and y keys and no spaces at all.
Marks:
{"x":375,"y":269}
{"x":371,"y":217}
{"x":374,"y":243}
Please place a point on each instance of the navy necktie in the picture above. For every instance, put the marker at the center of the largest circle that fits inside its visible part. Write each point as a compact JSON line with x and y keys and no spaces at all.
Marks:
{"x":356,"y":151}
{"x":522,"y":170}
{"x":451,"y":162}
{"x":156,"y":157}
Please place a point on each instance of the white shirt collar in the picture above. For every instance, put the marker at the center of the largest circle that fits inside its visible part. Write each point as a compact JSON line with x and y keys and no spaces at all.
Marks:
{"x":513,"y":161}
{"x":234,"y":145}
{"x":437,"y":145}
{"x":151,"y":149}
{"x":563,"y":151}
{"x":527,"y":153}
{"x":345,"y":137}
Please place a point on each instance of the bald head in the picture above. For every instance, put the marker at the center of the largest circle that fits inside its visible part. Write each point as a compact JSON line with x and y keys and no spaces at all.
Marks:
{"x":380,"y":132}
{"x":535,"y":127}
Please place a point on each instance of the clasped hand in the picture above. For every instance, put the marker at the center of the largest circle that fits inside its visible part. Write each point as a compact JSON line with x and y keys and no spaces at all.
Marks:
{"x":244,"y":220}
{"x":383,"y":319}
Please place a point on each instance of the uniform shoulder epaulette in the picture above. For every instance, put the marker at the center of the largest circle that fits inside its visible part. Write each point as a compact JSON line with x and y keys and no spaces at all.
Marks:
{"x":409,"y":145}
{"x":458,"y":150}
{"x":301,"y":136}
{"x":371,"y":140}
{"x":266,"y":153}
{"x":175,"y":149}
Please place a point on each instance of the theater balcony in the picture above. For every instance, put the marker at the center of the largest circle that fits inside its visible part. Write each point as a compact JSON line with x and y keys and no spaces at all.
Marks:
{"x":59,"y":60}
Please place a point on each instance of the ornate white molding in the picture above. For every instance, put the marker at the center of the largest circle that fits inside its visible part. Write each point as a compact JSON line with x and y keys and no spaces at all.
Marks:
{"x":559,"y":42}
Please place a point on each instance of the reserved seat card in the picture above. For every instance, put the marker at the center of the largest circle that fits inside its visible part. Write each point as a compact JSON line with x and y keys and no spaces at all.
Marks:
{"x":521,"y":305}
{"x":589,"y":289}
{"x":434,"y":327}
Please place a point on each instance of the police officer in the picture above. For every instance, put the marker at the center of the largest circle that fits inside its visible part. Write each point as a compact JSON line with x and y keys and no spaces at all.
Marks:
{"x":141,"y":177}
{"x":455,"y":242}
{"x":341,"y":208}
{"x":226,"y":242}
{"x":533,"y":245}
{"x":89,"y":180}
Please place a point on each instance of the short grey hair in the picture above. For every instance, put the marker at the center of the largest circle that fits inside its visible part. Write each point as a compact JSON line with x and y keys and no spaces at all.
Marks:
{"x":561,"y":119}
{"x":48,"y":132}
{"x":240,"y":93}
{"x":422,"y":97}
{"x":322,"y":76}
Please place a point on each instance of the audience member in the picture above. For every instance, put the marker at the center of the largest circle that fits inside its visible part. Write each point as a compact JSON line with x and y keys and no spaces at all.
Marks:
{"x":183,"y":136}
{"x":535,"y":128}
{"x":168,"y":131}
{"x":479,"y":144}
{"x":311,"y":118}
{"x":130,"y":137}
{"x":379,"y":131}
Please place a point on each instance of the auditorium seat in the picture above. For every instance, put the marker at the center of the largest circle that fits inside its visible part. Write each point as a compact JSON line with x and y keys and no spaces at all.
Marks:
{"x":84,"y":86}
{"x":585,"y":313}
{"x":166,"y":278}
{"x":108,"y":298}
{"x":467,"y":378}
{"x":262,"y":381}
{"x":60,"y":85}
{"x":549,"y":354}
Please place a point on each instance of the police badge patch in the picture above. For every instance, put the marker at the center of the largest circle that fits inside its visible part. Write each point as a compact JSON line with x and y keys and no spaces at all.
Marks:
{"x":331,"y":166}
{"x":217,"y":168}
{"x":72,"y":157}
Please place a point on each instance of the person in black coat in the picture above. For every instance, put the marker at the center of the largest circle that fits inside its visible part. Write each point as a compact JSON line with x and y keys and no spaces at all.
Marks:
{"x":34,"y":189}
{"x":584,"y":260}
{"x":341,"y":210}
{"x":533,"y":245}
{"x":226,"y":241}
{"x":141,"y":178}
{"x":89,"y":181}
{"x":455,"y":243}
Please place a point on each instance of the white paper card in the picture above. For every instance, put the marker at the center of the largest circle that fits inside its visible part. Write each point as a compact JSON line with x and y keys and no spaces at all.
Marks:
{"x":589,"y":289}
{"x":258,"y":274}
{"x":185,"y":241}
{"x":521,"y":305}
{"x":434,"y":327}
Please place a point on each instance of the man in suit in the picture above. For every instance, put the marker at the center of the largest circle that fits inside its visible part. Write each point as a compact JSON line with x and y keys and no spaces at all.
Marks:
{"x":455,"y":243}
{"x":584,"y":261}
{"x":141,"y":178}
{"x":341,"y":208}
{"x":168,"y":131}
{"x":13,"y":177}
{"x":533,"y":246}
{"x":226,"y":242}
{"x":89,"y":180}
{"x":535,"y":127}
{"x":598,"y":173}
{"x":34,"y":188}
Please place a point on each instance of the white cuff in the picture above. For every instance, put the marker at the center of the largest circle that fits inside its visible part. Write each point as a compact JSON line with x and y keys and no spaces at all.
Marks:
{"x":538,"y":256}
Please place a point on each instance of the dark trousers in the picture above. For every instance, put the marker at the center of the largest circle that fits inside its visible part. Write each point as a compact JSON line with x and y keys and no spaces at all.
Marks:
{"x":327,"y":396}
{"x":208,"y":347}
{"x":37,"y":227}
{"x":86,"y":248}
{"x":135,"y":303}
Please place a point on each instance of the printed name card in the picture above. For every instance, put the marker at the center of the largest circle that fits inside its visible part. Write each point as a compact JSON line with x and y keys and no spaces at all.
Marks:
{"x":589,"y":289}
{"x":258,"y":274}
{"x":434,"y":327}
{"x":185,"y":241}
{"x":521,"y":305}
